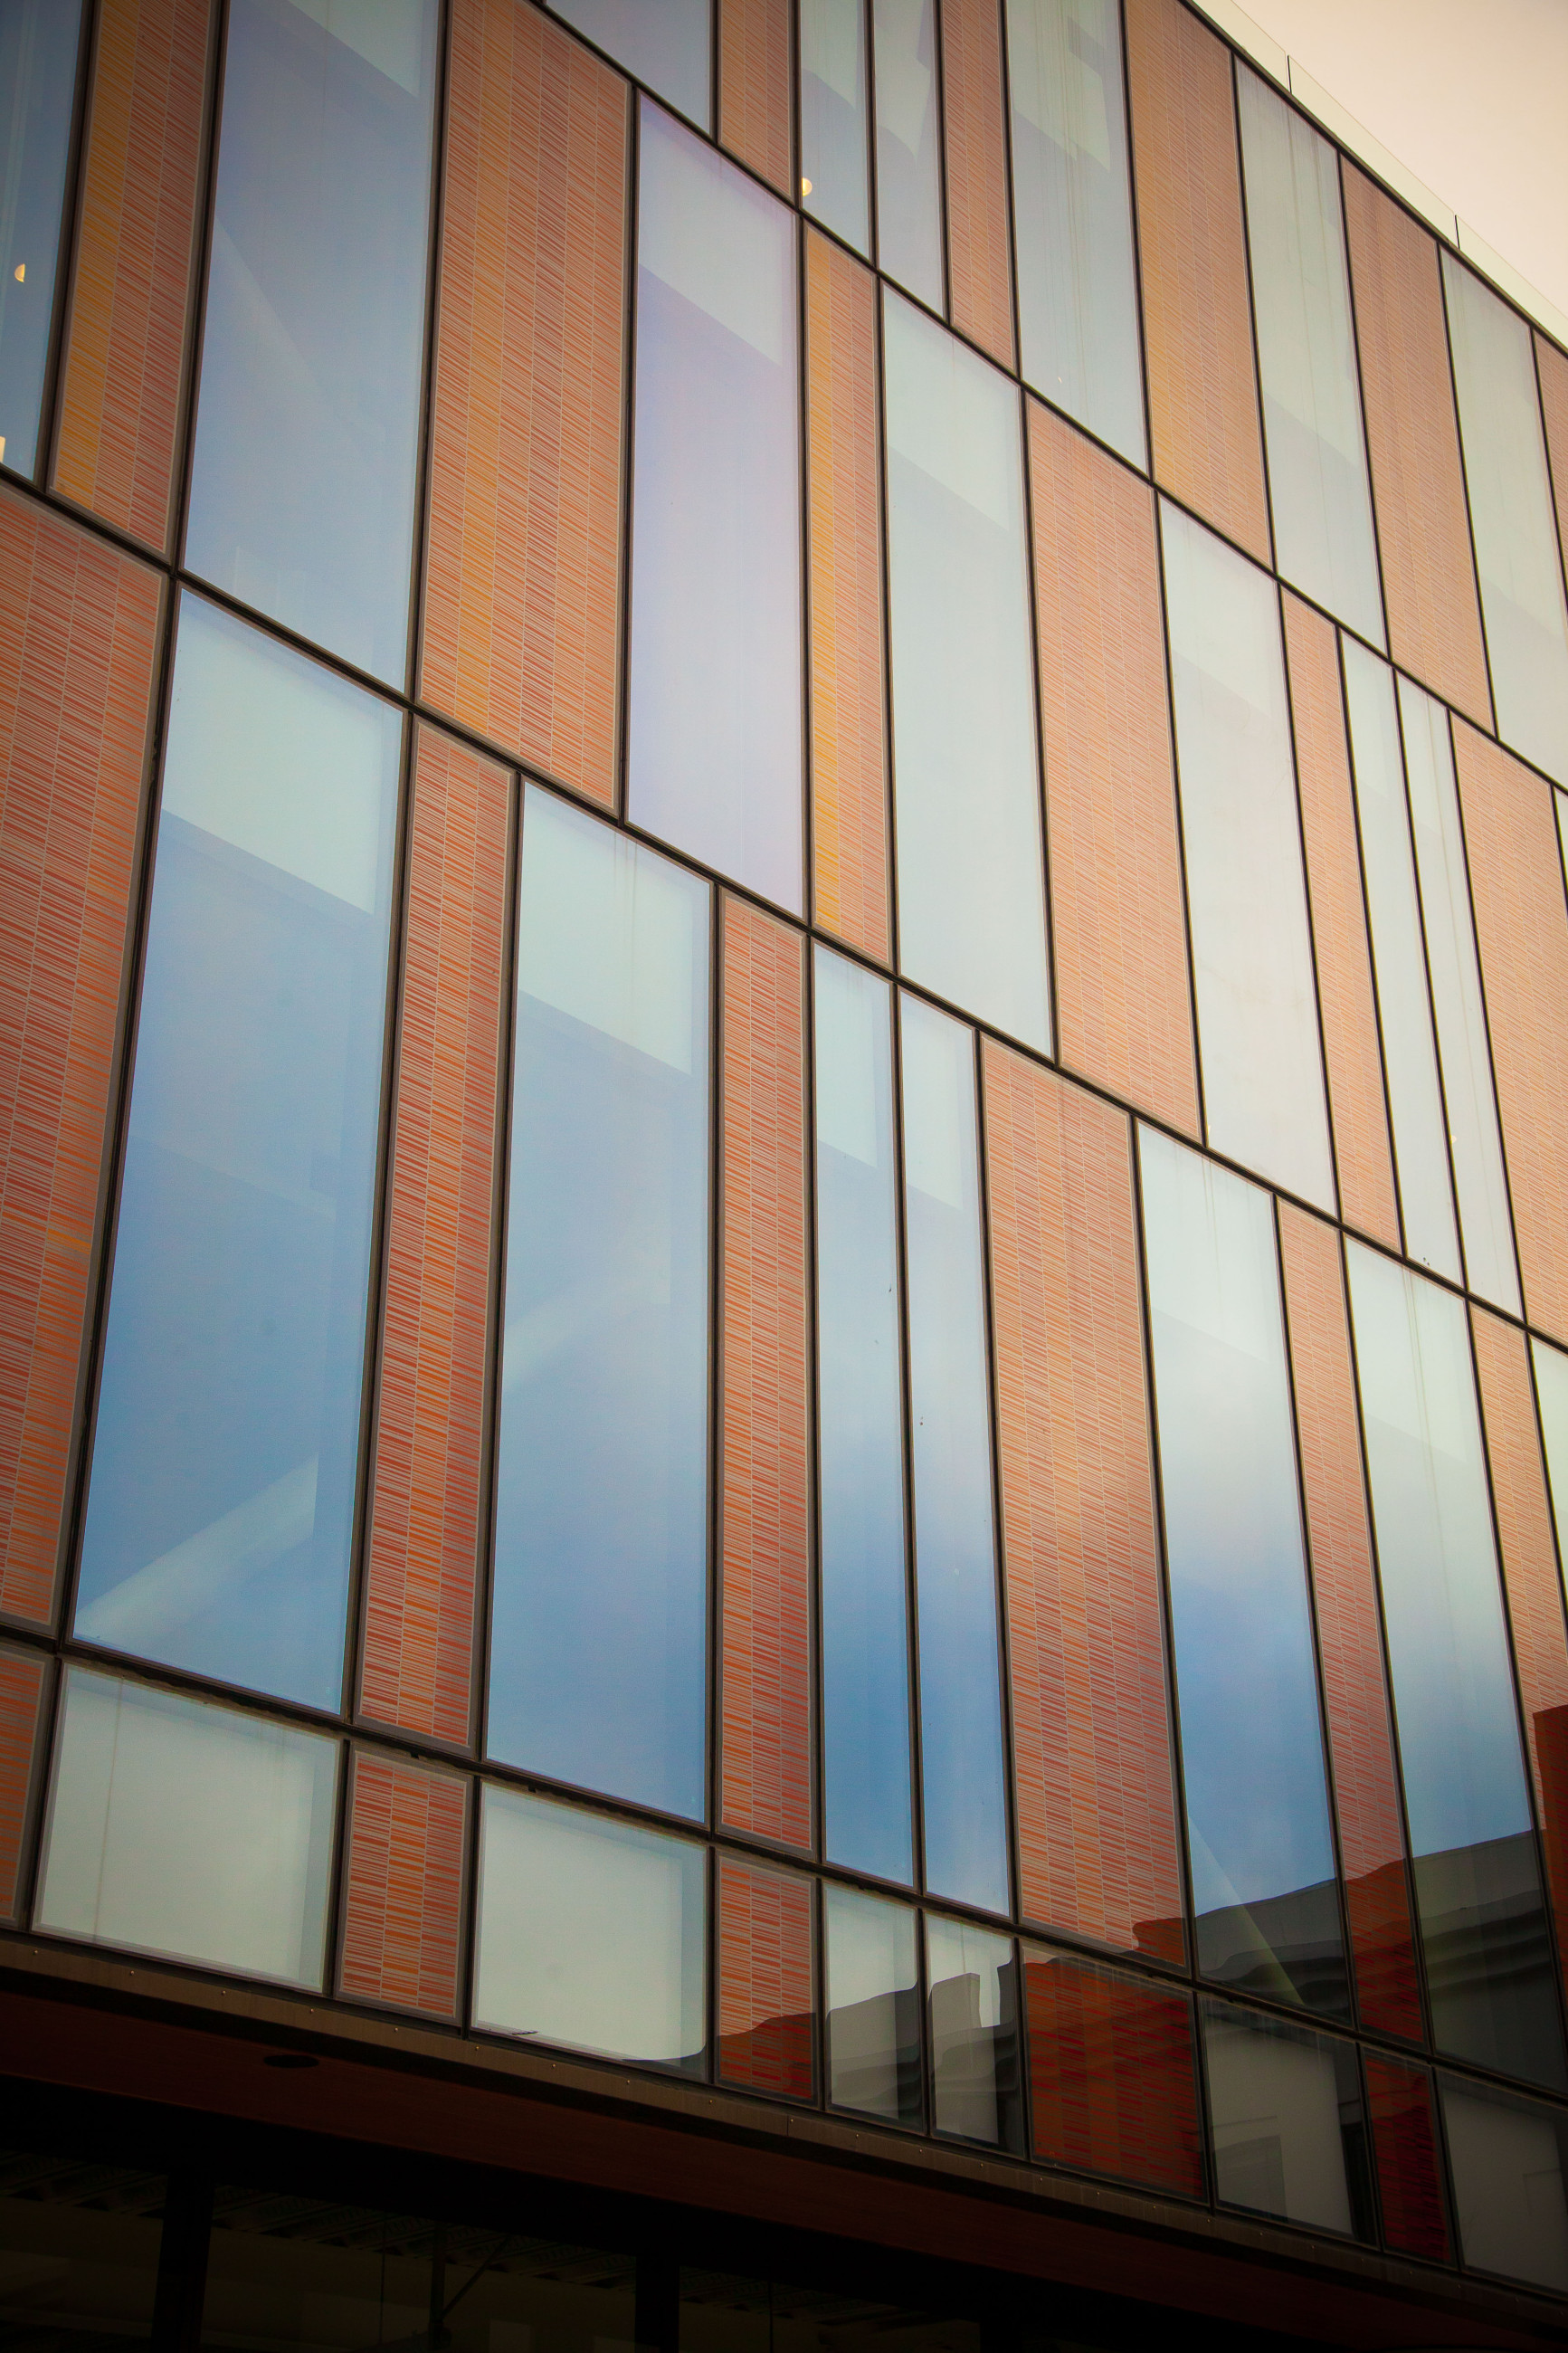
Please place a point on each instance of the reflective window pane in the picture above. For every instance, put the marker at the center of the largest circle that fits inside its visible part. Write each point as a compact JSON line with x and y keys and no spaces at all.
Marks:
{"x":1257,"y":1815}
{"x":714,"y":749}
{"x":597,"y":1657}
{"x":1509,"y":2158}
{"x":1488,"y":1962}
{"x":38,"y":42}
{"x":873,"y":2006}
{"x":1289,"y":2126}
{"x":1072,"y":215}
{"x":554,"y":1960}
{"x":79,"y":2254}
{"x":1317,"y":484}
{"x":1551,"y":1390}
{"x":833,"y":127}
{"x":976,"y":2086}
{"x":950,"y":1411}
{"x":665,"y":43}
{"x":1258,"y":1014}
{"x":908,"y":167}
{"x":865,"y":1605}
{"x":967,"y":792}
{"x":192,"y":1831}
{"x":221,"y":1507}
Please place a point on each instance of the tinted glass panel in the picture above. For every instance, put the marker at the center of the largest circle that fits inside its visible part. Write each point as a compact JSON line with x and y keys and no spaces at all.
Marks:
{"x":308,"y":419}
{"x":665,"y":43}
{"x":1262,"y":1856}
{"x":79,"y":2254}
{"x":833,"y":134}
{"x":222,"y":1502}
{"x":714,"y":755}
{"x":974,"y":1981}
{"x":39,"y":41}
{"x":908,"y":173}
{"x":597,"y":1659}
{"x":873,"y":2006}
{"x":1551,"y":1390}
{"x":1509,"y":2160}
{"x":1286,"y":2114}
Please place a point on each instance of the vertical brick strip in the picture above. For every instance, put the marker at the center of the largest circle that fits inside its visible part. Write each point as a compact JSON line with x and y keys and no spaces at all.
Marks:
{"x":79,"y":630}
{"x":404,"y":1885}
{"x":1361,"y":1738}
{"x":849,"y":750}
{"x":131,"y":304}
{"x":1553,"y":370}
{"x":1111,"y":2080}
{"x":1198,"y":316}
{"x":1362,"y":1154}
{"x":764,"y":1568}
{"x":1521,"y":922}
{"x":1097,"y":1829}
{"x":978,"y":236}
{"x":1405,"y":2146}
{"x":21,"y":1707}
{"x":522,"y":570}
{"x":1124,"y":1003}
{"x":765,"y":2038}
{"x":756,"y":89}
{"x":423,"y":1552}
{"x":1413,"y":445}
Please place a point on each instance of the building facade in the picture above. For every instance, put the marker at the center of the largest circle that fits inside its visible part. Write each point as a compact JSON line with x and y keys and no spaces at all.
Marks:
{"x":784,"y":1193}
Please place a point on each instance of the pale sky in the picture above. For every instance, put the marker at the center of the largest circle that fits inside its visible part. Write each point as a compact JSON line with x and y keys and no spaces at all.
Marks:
{"x":1471,"y":95}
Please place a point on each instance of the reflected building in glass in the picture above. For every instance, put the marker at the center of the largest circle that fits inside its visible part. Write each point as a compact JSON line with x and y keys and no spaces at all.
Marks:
{"x":783,"y":1192}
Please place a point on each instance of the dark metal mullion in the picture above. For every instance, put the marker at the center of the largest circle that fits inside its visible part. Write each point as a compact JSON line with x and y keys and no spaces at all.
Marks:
{"x":1401,"y":1240}
{"x":1361,"y":395}
{"x":1168,"y":666}
{"x":1145,"y":408}
{"x":1247,"y":267}
{"x":939,"y":94}
{"x":37,"y":1789}
{"x":1294,"y":757}
{"x":1495,"y":729}
{"x":67,"y":247}
{"x":425,"y":469}
{"x":816,"y":1681}
{"x":1556,"y":497}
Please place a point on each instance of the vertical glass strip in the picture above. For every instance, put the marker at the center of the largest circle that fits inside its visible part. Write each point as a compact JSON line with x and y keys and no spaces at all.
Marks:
{"x":1113,"y":2078}
{"x":1288,"y":2121}
{"x":972,"y":1978}
{"x":1552,"y":1394}
{"x":833,"y":138}
{"x":403,"y":1884}
{"x":908,"y":165}
{"x":873,"y":2006}
{"x":23,"y":1678}
{"x":667,"y":44}
{"x":767,"y":2001}
{"x":1404,"y":2155}
{"x":38,"y":42}
{"x":1509,"y":2160}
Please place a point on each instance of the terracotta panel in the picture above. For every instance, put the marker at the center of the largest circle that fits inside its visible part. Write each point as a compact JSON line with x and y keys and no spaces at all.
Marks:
{"x":1405,"y":2148}
{"x":1552,"y":366}
{"x":764,"y":1511}
{"x":1198,"y":316}
{"x":78,"y":631}
{"x":423,"y":1552}
{"x":1355,"y":1688}
{"x":403,"y":1887}
{"x":849,"y":734}
{"x":1521,"y":923}
{"x":766,"y":2040}
{"x":974,"y":137}
{"x":1363,"y":1156}
{"x":1096,"y":1833}
{"x":756,"y":89}
{"x":129,"y":326}
{"x":1125,"y":1000}
{"x":1413,"y":445}
{"x":523,"y":581}
{"x":22,"y":1676}
{"x":1112,"y":2084}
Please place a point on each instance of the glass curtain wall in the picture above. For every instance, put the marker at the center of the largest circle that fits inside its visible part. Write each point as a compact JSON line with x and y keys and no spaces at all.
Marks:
{"x":38,"y":44}
{"x":909,"y":148}
{"x":834,"y":160}
{"x":873,"y":2008}
{"x":667,"y":44}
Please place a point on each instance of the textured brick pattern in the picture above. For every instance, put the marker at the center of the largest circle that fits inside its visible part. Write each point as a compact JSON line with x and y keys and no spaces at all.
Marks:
{"x":423,"y":1554}
{"x":1521,"y":922}
{"x":765,"y":2039}
{"x":1364,"y":1156}
{"x":1552,"y":369}
{"x":403,"y":1894}
{"x":1413,"y":445}
{"x":1405,"y":2148}
{"x":78,"y":628}
{"x":1111,"y":2080}
{"x":1097,"y":1834}
{"x":757,"y":87}
{"x":978,"y":236}
{"x":849,"y":750}
{"x":521,"y":597}
{"x":131,"y":302}
{"x":1361,"y":1738}
{"x":1124,"y":1003}
{"x":765,"y":1571}
{"x":1197,"y":319}
{"x":21,"y":1702}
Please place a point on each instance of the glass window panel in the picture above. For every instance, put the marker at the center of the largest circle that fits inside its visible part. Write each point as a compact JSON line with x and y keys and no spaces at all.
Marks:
{"x":1510,"y":514}
{"x":79,"y":2254}
{"x":873,"y":2006}
{"x":950,"y":1408}
{"x":1473,"y":1138}
{"x":714,"y":754}
{"x":38,"y":42}
{"x":598,"y":1654}
{"x":1286,"y":2114}
{"x":971,"y":879}
{"x":1073,"y":212}
{"x":1489,"y":1963}
{"x":865,"y":1592}
{"x":179,"y":1828}
{"x":1257,"y":1012}
{"x":1399,"y":960}
{"x":303,"y":480}
{"x":559,"y":1891}
{"x":908,"y":167}
{"x":833,"y":130}
{"x":1318,"y":484}
{"x":1508,"y":2158}
{"x":665,"y":43}
{"x":1257,"y":1815}
{"x":974,"y":1981}
{"x":221,"y":1508}
{"x":1552,"y":1389}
